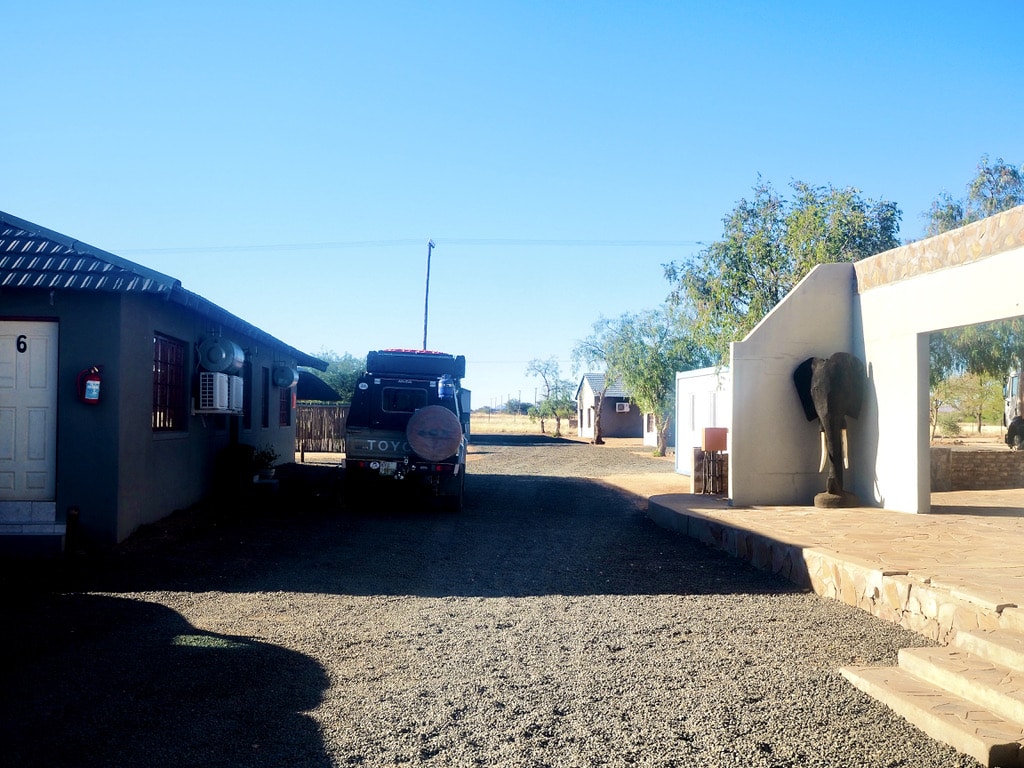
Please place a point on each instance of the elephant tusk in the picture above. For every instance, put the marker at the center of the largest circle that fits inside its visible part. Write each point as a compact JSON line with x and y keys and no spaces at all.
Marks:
{"x":824,"y":454}
{"x":846,"y":452}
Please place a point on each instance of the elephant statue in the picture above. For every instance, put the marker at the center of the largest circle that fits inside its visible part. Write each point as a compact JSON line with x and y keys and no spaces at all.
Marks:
{"x":831,"y":390}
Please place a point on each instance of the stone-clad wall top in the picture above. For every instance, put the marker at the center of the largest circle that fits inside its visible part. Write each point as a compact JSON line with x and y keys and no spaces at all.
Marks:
{"x":961,"y":246}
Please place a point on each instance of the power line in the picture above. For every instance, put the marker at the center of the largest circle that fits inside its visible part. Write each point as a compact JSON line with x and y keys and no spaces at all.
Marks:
{"x":452,"y":242}
{"x":520,"y":242}
{"x":512,"y":362}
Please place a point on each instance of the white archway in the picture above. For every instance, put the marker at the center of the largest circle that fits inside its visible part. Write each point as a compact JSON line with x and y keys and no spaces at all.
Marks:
{"x":883,"y":310}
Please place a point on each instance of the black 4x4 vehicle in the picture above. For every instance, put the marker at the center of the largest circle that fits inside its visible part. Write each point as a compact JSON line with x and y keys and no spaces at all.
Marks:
{"x":409,"y":422}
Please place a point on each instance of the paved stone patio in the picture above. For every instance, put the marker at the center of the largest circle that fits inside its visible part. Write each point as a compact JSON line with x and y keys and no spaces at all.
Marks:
{"x":956,"y":568}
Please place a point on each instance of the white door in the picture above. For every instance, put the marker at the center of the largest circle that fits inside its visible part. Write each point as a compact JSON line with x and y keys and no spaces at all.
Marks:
{"x":28,"y":410}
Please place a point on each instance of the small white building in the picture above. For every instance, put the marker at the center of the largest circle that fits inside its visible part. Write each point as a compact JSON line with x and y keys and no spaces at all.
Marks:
{"x":703,"y":399}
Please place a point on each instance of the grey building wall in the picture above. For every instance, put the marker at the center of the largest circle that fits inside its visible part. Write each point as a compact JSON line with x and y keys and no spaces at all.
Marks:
{"x":111,"y":466}
{"x":617,"y":424}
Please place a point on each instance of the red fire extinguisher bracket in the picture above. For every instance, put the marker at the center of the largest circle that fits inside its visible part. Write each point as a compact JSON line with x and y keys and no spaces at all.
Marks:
{"x":89,"y":382}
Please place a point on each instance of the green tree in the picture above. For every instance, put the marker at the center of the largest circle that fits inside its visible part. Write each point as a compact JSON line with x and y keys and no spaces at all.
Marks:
{"x":592,"y":352}
{"x":557,"y":402}
{"x":970,"y":397}
{"x":343,"y":371}
{"x":769,"y":244}
{"x":988,"y":349}
{"x":996,"y":187}
{"x":945,"y":214}
{"x":516,"y":407}
{"x":644,"y":351}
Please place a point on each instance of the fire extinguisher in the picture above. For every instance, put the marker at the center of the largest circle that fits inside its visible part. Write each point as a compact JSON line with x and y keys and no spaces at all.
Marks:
{"x":89,"y":385}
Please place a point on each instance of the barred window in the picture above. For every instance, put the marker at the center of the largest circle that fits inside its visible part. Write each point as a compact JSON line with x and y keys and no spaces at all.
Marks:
{"x":285,"y":408}
{"x":170,"y":401}
{"x":265,"y":399}
{"x":247,"y":395}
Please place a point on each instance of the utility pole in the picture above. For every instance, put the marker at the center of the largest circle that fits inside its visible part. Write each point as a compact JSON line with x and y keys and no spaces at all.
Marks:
{"x":426,"y":295}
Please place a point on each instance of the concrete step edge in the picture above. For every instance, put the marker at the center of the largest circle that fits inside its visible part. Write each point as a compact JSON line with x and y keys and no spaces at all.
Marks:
{"x":979,"y":680}
{"x":1012,"y":619}
{"x":972,"y":730}
{"x":997,"y":645}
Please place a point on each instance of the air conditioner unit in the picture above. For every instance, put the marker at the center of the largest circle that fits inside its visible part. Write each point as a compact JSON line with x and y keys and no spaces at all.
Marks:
{"x":622,"y":407}
{"x":236,"y":394}
{"x":213,"y":391}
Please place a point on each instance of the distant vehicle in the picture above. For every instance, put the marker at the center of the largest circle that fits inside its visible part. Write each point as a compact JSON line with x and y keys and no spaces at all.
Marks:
{"x":1013,"y":413}
{"x":409,"y":423}
{"x":1012,"y":396}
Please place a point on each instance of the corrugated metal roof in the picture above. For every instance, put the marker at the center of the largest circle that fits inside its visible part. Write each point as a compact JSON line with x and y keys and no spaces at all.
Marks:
{"x":33,"y":257}
{"x":596,"y":382}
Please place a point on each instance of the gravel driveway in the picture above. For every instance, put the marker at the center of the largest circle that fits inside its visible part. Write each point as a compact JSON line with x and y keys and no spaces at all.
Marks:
{"x":549,"y":624}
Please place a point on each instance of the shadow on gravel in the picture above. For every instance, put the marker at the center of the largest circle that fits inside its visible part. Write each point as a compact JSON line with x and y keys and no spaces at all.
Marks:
{"x":527,"y":536}
{"x":518,"y":535}
{"x":88,"y":680}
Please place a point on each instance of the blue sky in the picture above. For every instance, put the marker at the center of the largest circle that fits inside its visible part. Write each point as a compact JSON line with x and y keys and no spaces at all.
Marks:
{"x":290,"y":161}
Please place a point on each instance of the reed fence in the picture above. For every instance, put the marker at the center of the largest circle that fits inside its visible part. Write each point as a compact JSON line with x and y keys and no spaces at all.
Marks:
{"x":320,"y":428}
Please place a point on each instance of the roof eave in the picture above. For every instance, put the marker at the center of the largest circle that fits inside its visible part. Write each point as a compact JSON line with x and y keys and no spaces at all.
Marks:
{"x":78,"y":246}
{"x":128,"y":277}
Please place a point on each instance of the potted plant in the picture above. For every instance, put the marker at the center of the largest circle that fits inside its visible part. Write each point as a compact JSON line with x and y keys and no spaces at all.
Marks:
{"x":263,"y":460}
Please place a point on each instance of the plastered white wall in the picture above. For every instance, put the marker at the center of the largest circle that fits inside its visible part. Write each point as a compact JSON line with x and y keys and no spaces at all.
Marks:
{"x":775,"y":451}
{"x":882,"y":309}
{"x":895,"y":321}
{"x":703,"y":399}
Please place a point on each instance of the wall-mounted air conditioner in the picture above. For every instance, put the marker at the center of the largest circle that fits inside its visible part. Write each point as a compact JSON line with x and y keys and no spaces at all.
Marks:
{"x":622,"y":407}
{"x":236,"y":394}
{"x":213,"y":391}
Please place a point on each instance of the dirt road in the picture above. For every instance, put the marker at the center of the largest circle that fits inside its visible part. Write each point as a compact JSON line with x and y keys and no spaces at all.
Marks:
{"x":550,"y":624}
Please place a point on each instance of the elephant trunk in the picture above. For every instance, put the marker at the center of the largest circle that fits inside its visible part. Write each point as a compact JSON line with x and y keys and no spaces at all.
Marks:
{"x":845,"y":451}
{"x":834,"y":445}
{"x":832,"y":389}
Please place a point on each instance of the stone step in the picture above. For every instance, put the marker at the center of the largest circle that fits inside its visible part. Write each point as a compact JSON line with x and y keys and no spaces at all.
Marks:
{"x":999,"y":646}
{"x":967,"y":727}
{"x":1012,"y":619}
{"x":990,"y":685}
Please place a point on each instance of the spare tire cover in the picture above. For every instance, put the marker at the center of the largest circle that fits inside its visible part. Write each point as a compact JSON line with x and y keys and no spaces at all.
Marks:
{"x":434,"y":432}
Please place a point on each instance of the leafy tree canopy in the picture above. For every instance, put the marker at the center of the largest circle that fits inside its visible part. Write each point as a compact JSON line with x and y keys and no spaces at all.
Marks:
{"x":517,"y":407}
{"x":988,"y":349}
{"x":769,"y":244}
{"x":343,"y":371}
{"x":644,"y":351}
{"x":970,"y":397}
{"x":557,"y":402}
{"x":996,"y":187}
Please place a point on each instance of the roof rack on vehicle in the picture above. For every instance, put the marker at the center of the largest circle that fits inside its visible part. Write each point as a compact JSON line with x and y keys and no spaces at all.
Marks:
{"x":416,"y":362}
